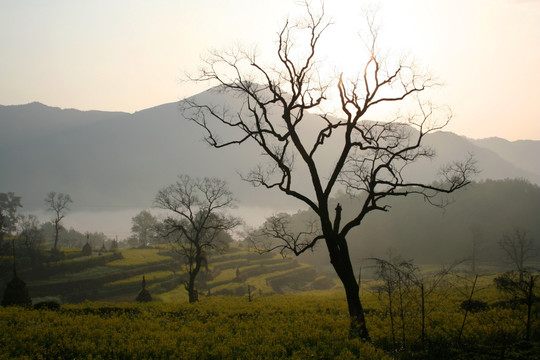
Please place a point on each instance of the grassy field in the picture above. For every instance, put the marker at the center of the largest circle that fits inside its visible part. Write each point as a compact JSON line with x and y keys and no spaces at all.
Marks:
{"x":137,"y":257}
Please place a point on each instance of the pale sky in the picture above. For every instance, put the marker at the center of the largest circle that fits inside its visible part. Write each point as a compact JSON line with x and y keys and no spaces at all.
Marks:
{"x":131,"y":55}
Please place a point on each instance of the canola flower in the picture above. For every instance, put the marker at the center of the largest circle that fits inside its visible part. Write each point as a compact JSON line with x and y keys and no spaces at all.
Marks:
{"x":310,"y":325}
{"x":216,"y":328}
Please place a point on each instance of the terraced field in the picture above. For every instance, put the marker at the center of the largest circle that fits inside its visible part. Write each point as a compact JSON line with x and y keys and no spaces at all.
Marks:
{"x":116,"y":276}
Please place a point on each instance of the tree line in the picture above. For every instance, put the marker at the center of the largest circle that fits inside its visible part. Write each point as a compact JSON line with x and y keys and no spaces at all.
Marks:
{"x":198,"y":223}
{"x":33,"y":243}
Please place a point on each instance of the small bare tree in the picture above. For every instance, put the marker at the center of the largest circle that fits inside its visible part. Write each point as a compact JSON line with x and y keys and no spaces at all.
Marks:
{"x":522,"y":288}
{"x":199,"y":221}
{"x":519,"y":248}
{"x":477,"y":239}
{"x":277,"y":230}
{"x":397,"y":276}
{"x":404,"y":281}
{"x":58,"y":204}
{"x":369,"y":157}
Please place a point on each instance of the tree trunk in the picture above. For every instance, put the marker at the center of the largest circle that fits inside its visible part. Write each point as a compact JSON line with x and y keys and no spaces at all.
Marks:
{"x":56,"y":226}
{"x":356,"y":312}
{"x":341,"y":261}
{"x":391,"y":314}
{"x":423,"y":295}
{"x":192,"y":292}
{"x":401,"y":310}
{"x":467,"y":310}
{"x":530,"y":302}
{"x":193,"y":296}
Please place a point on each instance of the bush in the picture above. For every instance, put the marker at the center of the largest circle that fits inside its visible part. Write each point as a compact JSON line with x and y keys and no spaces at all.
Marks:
{"x":16,"y":293}
{"x":47,"y":305}
{"x":474,"y":306}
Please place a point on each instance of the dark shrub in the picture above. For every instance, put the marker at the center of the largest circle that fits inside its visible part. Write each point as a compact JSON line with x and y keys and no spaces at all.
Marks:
{"x":474,"y":306}
{"x":47,"y":305}
{"x":16,"y":293}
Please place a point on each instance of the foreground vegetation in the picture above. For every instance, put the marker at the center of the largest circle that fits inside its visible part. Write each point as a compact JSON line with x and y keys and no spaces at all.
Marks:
{"x":301,"y":326}
{"x":272,"y":327}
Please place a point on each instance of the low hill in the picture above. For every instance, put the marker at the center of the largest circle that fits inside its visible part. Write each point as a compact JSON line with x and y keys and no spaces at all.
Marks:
{"x":117,"y":275}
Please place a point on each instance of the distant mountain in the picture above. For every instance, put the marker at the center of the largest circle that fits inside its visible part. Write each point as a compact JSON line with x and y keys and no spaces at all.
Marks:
{"x":21,"y":123}
{"x":491,"y":163}
{"x":109,"y":161}
{"x":522,"y":153}
{"x":112,"y":160}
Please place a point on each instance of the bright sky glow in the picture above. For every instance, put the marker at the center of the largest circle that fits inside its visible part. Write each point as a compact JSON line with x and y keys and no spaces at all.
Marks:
{"x":130,"y":55}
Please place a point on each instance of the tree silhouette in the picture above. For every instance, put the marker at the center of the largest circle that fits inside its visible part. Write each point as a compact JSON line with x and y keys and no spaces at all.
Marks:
{"x":58,"y":204}
{"x":519,"y":248}
{"x":144,"y":227}
{"x":9,"y":203}
{"x":369,"y":157}
{"x":198,"y":222}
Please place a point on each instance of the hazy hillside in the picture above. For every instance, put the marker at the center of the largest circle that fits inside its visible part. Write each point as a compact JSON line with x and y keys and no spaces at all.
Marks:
{"x":522,"y":153}
{"x":451,"y":147}
{"x":121,"y":162}
{"x":417,"y":230}
{"x":109,"y":161}
{"x":22,"y":123}
{"x":116,"y":275}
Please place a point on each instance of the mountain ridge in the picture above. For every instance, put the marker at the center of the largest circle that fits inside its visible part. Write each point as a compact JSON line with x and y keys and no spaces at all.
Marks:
{"x":112,"y":158}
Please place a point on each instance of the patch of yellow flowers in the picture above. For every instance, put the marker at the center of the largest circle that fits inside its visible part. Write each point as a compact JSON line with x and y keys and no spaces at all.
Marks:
{"x":310,"y":325}
{"x":276,"y":327}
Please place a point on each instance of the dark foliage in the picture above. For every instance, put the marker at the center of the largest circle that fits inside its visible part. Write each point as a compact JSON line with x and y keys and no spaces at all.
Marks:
{"x":144,"y":295}
{"x":474,"y":306}
{"x":47,"y":305}
{"x":87,"y":249}
{"x":16,"y":293}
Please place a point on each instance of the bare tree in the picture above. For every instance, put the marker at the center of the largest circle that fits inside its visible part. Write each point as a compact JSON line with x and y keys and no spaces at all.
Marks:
{"x":369,"y":156}
{"x":58,"y":204}
{"x":398,"y":279}
{"x":519,"y":249}
{"x":199,"y":221}
{"x":477,"y":239}
{"x":405,"y":282}
{"x":278,"y":229}
{"x":522,"y":288}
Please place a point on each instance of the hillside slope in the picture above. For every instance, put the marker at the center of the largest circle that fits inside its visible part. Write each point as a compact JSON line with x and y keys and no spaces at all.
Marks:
{"x":117,"y":276}
{"x":523,"y":153}
{"x":414,"y":229}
